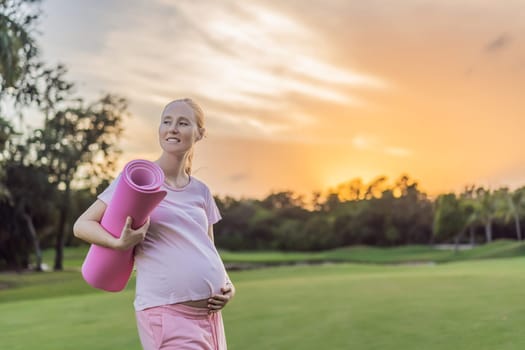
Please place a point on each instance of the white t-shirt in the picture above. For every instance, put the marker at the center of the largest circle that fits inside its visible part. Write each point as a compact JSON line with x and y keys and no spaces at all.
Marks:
{"x":177,"y":261}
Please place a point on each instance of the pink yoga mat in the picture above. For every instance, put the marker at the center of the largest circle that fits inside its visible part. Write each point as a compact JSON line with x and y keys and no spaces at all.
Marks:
{"x":136,"y":195}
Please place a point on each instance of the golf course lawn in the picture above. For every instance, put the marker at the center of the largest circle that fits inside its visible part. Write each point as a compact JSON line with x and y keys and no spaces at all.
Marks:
{"x":462,"y":305}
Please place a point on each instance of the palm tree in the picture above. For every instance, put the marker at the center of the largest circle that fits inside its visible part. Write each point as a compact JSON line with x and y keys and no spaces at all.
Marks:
{"x":510,"y":206}
{"x":486,"y":210}
{"x":517,"y":200}
{"x":468,"y":207}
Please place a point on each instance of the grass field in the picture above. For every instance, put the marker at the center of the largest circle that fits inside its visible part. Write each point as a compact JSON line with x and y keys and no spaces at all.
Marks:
{"x":73,"y":257}
{"x":462,"y":305}
{"x":377,"y":255}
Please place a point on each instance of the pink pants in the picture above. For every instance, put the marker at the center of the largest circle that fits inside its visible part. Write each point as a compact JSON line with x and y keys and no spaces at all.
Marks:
{"x":180,"y":327}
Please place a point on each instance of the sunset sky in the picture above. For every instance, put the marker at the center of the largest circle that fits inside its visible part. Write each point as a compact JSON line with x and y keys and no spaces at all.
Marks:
{"x":303,"y":95}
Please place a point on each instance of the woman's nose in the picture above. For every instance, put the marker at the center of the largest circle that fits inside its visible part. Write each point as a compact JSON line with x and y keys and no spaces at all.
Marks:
{"x":173,"y":128}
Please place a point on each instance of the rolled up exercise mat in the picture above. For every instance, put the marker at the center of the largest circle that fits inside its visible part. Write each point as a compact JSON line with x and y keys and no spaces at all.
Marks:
{"x":136,"y":194}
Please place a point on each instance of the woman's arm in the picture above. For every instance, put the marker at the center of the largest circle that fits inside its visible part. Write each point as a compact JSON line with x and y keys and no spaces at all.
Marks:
{"x":88,"y":228}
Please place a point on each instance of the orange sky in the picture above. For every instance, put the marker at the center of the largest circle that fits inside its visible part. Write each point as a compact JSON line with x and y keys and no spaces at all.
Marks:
{"x":303,"y":95}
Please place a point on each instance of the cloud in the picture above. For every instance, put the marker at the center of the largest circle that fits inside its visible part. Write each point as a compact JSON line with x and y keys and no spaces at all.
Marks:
{"x":238,"y":177}
{"x":364,"y":142}
{"x":398,"y":151}
{"x":372,"y":143}
{"x":252,"y":65}
{"x":498,"y":44}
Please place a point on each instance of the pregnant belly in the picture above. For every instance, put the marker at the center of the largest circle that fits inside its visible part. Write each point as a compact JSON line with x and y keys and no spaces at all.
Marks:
{"x":178,"y":281}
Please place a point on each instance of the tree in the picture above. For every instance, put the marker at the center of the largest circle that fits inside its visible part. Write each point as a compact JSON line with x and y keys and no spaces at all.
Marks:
{"x":376,"y":187}
{"x":286,"y":205}
{"x":354,"y":189}
{"x":468,"y":206}
{"x":357,"y":222}
{"x":449,"y":219}
{"x":79,"y":144}
{"x":516,"y":202}
{"x":509,"y":206}
{"x":316,"y":233}
{"x":18,"y":49}
{"x":234,"y":230}
{"x":76,"y":145}
{"x":412,"y":212}
{"x":331,"y":203}
{"x":26,"y":195}
{"x":6,"y":133}
{"x":486,"y":210}
{"x":31,"y":199}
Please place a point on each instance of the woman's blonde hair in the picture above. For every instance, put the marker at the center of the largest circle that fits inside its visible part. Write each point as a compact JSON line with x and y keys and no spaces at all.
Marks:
{"x":199,"y":117}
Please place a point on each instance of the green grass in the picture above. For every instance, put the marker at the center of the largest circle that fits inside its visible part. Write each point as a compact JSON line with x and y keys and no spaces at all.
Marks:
{"x":69,"y":282}
{"x":375,"y":255}
{"x":73,"y":257}
{"x":474,"y":304}
{"x":41,"y":285}
{"x":467,"y":305}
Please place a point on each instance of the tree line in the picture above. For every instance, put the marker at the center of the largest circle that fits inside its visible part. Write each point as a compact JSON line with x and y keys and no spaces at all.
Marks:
{"x":377,"y":213}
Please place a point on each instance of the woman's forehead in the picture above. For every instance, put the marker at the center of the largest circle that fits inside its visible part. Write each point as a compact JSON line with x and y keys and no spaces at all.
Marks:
{"x":178,"y":109}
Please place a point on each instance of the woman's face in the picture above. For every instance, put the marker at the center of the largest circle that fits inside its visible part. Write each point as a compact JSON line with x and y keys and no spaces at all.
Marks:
{"x":178,"y":129}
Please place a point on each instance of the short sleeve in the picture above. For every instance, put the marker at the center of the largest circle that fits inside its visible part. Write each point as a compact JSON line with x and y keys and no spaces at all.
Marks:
{"x":106,"y":195}
{"x":212,"y":211}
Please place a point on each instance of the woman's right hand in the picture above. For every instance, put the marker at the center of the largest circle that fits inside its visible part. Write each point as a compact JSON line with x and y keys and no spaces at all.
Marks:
{"x":130,"y":237}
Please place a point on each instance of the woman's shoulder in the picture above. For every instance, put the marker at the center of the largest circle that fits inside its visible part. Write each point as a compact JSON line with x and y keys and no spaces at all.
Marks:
{"x":198,"y":184}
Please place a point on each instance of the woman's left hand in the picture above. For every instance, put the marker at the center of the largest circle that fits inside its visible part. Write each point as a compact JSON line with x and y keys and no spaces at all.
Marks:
{"x":219,"y":301}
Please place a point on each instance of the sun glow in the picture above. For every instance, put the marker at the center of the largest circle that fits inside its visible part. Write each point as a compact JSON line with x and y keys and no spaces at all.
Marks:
{"x":343,"y":174}
{"x":307,"y":97}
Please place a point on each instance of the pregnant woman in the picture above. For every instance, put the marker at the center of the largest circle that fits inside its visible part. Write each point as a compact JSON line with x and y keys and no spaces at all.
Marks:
{"x":181,"y":284}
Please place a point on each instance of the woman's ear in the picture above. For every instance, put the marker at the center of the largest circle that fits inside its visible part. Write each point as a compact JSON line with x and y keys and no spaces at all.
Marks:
{"x":202,"y":131}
